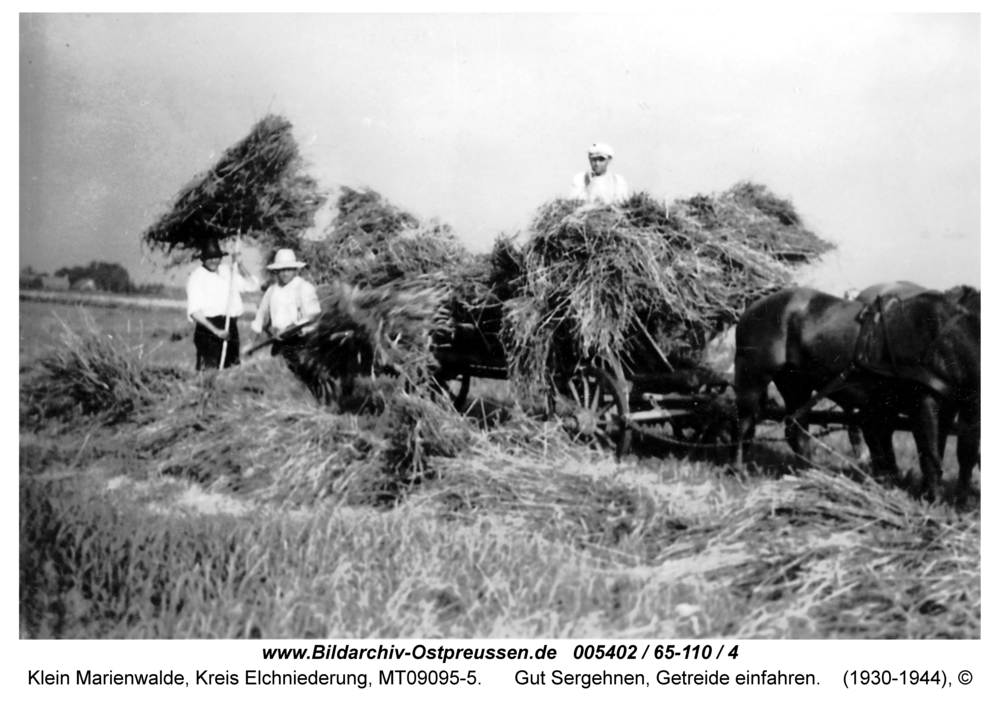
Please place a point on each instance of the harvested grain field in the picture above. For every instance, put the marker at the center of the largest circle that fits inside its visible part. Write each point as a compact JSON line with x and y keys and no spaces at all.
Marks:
{"x":240,"y":507}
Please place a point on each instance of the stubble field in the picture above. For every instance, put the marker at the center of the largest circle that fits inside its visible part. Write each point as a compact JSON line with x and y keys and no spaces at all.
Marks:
{"x":174,"y":506}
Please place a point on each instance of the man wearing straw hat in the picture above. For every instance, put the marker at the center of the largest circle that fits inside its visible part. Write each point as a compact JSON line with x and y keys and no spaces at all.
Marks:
{"x":597,"y":186}
{"x":214,"y":305}
{"x":288,"y":305}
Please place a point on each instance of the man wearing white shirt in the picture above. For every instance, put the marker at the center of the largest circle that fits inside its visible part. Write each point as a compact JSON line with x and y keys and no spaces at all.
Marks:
{"x":597,"y":186}
{"x":213,"y":294}
{"x":290,"y":302}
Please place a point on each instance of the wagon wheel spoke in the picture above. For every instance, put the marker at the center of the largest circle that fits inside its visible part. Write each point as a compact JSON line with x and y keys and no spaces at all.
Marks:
{"x":575,"y":394}
{"x":597,"y":410}
{"x":605,"y":410}
{"x":604,"y":439}
{"x":597,"y":398}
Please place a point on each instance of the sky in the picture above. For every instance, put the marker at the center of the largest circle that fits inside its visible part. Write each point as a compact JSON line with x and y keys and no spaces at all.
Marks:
{"x":868,"y":123}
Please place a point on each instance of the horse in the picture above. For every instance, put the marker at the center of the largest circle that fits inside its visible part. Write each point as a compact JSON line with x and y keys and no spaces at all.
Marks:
{"x":920,"y":356}
{"x":968,"y":298}
{"x":902,"y":290}
{"x":801,"y":340}
{"x":805,"y":341}
{"x":967,"y":446}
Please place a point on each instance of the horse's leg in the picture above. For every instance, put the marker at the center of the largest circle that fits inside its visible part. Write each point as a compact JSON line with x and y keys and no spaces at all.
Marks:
{"x":750,"y":388}
{"x":967,"y":451}
{"x":946,"y":420}
{"x":878,"y":437}
{"x":795,"y":394}
{"x":925,"y":434}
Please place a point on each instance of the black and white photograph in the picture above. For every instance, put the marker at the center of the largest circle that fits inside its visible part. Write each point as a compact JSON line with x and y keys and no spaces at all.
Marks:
{"x":572,"y":328}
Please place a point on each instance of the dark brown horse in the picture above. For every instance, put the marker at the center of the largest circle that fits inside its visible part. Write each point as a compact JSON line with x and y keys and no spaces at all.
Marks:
{"x":805,"y":341}
{"x":920,"y":356}
{"x":902,"y":290}
{"x":801,"y":340}
{"x":969,"y":299}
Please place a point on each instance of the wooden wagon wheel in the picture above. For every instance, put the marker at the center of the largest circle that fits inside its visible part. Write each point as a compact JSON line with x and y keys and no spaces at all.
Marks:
{"x":594,"y":408}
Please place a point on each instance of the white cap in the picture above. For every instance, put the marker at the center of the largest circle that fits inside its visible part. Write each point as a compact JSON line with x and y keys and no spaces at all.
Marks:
{"x":602,"y":149}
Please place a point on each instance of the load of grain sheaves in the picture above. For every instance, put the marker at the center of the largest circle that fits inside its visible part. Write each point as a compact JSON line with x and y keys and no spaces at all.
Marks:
{"x":372,"y":243}
{"x":391,"y":327}
{"x":599,"y":282}
{"x":391,"y":285}
{"x":591,"y":283}
{"x":258,"y":190}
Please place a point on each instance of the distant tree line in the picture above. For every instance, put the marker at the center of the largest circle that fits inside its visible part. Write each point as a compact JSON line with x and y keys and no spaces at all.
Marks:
{"x":112,"y":278}
{"x":31,"y":279}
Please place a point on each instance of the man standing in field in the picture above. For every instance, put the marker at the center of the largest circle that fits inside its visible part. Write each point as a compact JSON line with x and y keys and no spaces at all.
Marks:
{"x":287,"y":306}
{"x":597,"y":186}
{"x":213,"y":294}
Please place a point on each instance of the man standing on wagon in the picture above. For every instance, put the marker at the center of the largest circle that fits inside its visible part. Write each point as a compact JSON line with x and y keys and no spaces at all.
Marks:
{"x":213,"y":293}
{"x":287,"y":304}
{"x":597,"y":186}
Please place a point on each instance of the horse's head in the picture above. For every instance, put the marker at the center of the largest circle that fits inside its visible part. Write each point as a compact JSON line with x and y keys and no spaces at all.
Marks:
{"x":943,"y":331}
{"x":965,"y":296}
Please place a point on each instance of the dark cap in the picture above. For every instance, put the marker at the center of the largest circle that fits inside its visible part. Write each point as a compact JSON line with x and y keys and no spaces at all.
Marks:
{"x":211,"y":250}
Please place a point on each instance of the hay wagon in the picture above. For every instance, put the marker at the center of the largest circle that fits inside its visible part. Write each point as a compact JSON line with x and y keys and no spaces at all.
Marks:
{"x":640,"y":281}
{"x":602,"y":401}
{"x":608,"y":401}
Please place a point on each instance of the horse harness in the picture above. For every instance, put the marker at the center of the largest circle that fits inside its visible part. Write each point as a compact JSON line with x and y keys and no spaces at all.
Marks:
{"x":873,"y":315}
